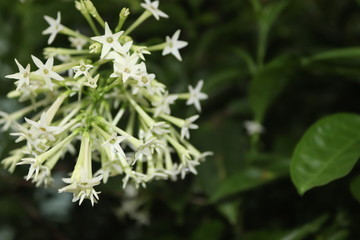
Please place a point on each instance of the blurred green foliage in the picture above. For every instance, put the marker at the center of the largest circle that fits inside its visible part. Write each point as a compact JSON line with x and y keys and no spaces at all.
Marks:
{"x":283,"y":63}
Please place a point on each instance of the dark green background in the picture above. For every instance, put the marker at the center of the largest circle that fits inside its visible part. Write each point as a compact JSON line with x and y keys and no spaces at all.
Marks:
{"x":244,"y":190}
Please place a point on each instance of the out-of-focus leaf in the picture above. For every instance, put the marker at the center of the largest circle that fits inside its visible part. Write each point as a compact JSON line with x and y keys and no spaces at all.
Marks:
{"x":209,"y":230}
{"x":230,"y":210}
{"x":264,"y":235}
{"x":355,"y":188}
{"x":352,"y":52}
{"x":247,"y":58}
{"x":269,"y":83}
{"x":339,"y":235}
{"x":248,"y":179}
{"x":327,"y":151}
{"x":305,"y":230}
{"x":271,"y":12}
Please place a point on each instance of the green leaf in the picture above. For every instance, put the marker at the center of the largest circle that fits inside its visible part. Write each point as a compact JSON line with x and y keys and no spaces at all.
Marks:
{"x":248,"y":179}
{"x":230,"y":210}
{"x":306,"y":229}
{"x":327,"y":151}
{"x":269,"y":83}
{"x":351,"y":52}
{"x":355,"y":188}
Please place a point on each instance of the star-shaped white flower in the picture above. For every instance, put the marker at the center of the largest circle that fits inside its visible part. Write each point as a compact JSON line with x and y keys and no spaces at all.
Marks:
{"x":153,"y":7}
{"x":77,"y":42}
{"x":173,"y":45}
{"x":109,"y":41}
{"x":189,"y":125}
{"x":23,"y":75}
{"x":45,"y":70}
{"x":42,"y":128}
{"x":144,"y":79}
{"x":114,"y":144}
{"x":82,"y":69}
{"x":163,"y":105}
{"x":82,"y":187}
{"x":196,"y":95}
{"x":126,"y":66}
{"x":92,"y":81}
{"x":54,"y":28}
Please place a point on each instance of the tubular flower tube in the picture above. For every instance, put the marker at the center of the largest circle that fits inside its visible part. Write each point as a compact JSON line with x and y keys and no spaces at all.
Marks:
{"x":110,"y":110}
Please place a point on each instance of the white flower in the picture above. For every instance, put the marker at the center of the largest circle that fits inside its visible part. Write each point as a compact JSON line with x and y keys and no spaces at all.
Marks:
{"x":45,"y":70}
{"x":82,"y":69}
{"x":153,"y":7}
{"x":188,"y":124}
{"x":187,"y":165}
{"x":140,"y":51}
{"x":114,"y":144}
{"x":92,"y":82}
{"x":163,"y":106}
{"x":7,"y":120}
{"x":23,"y":75}
{"x":54,"y":27}
{"x":253,"y":127}
{"x":126,"y":66}
{"x":196,"y":95}
{"x":173,"y":45}
{"x":82,"y":188}
{"x":43,"y":177}
{"x":144,"y":79}
{"x":42,"y":128}
{"x":111,"y":168}
{"x":35,"y":165}
{"x":109,"y":41}
{"x":148,"y":148}
{"x":160,"y":128}
{"x":77,"y":42}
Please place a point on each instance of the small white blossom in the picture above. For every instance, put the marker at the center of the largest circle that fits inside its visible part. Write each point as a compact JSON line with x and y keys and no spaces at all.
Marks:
{"x":92,"y":82}
{"x":54,"y":28}
{"x":6,"y":120}
{"x":109,"y":41}
{"x":23,"y":75}
{"x":196,"y":95}
{"x":153,"y":7}
{"x":189,"y":125}
{"x":144,"y":79}
{"x":126,"y":66}
{"x":114,"y":144}
{"x":34,"y":168}
{"x":160,"y":128}
{"x":45,"y":70}
{"x":163,"y":105}
{"x":42,"y":128}
{"x":82,"y":69}
{"x":77,"y":42}
{"x":140,"y":51}
{"x":253,"y":127}
{"x":173,"y":45}
{"x":187,"y":165}
{"x":82,"y":188}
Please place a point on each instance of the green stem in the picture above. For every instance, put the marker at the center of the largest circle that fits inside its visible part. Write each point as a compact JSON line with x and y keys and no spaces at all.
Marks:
{"x":142,"y":18}
{"x":157,"y":47}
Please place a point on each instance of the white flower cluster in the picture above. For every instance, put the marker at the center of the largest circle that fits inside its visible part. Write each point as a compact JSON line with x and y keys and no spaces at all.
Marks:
{"x":102,"y":100}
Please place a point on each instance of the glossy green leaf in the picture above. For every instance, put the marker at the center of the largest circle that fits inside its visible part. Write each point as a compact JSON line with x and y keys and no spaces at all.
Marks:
{"x":305,"y":230}
{"x":269,"y":83}
{"x":327,"y":151}
{"x":355,"y":188}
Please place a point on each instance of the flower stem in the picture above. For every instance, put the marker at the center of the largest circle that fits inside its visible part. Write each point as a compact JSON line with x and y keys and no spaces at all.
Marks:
{"x":142,"y":18}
